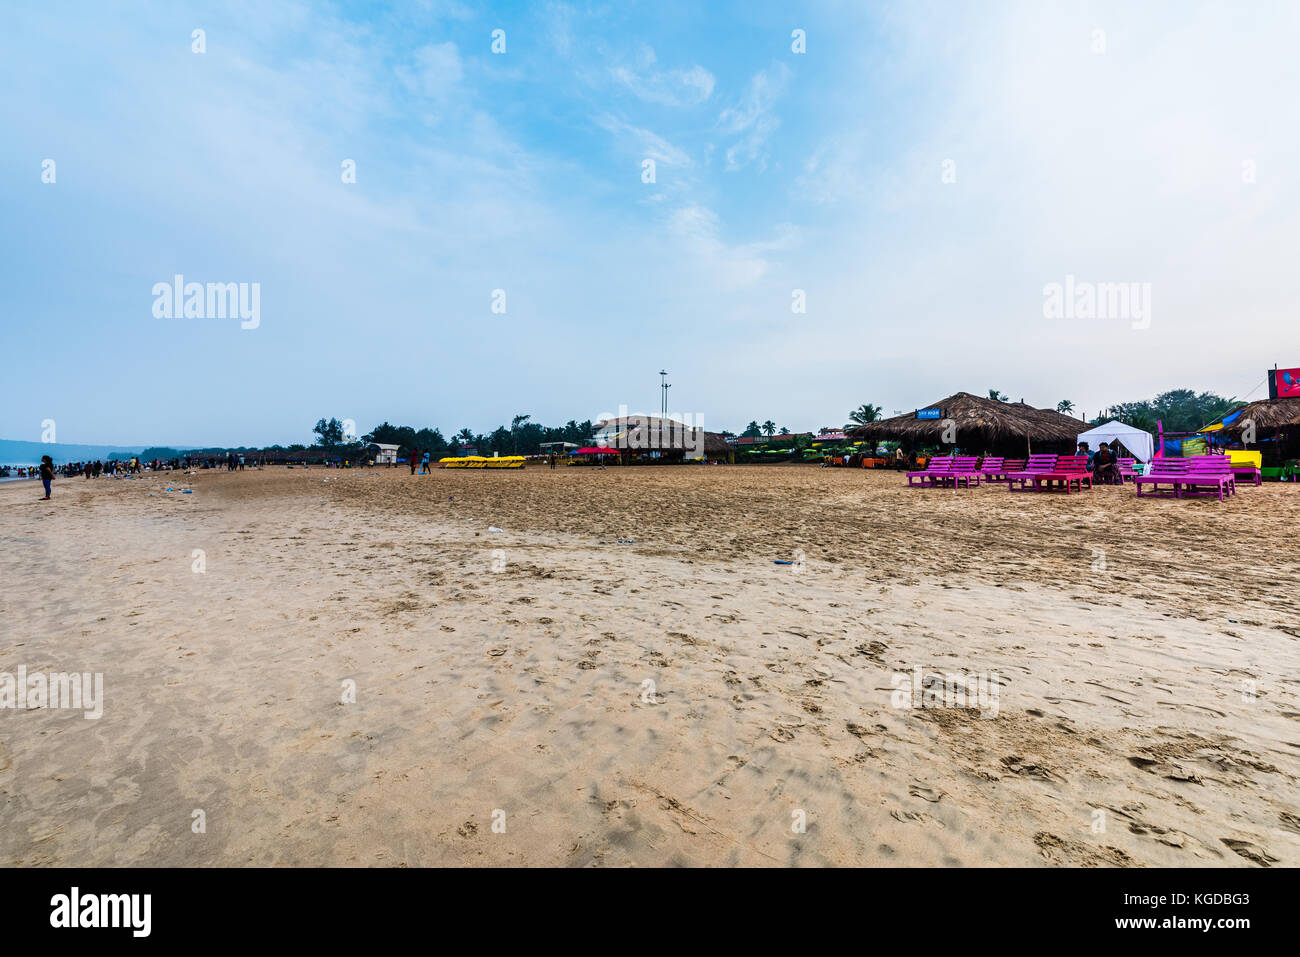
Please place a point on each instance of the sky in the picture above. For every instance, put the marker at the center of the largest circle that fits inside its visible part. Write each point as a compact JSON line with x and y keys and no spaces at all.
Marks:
{"x":914,"y":175}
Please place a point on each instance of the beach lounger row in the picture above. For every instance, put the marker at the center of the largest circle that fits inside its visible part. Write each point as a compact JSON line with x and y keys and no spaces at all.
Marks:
{"x":951,"y":472}
{"x":1203,"y":475}
{"x":1052,"y":473}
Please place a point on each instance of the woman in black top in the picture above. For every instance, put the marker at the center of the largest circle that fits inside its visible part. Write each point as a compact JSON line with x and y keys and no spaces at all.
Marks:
{"x":47,"y":474}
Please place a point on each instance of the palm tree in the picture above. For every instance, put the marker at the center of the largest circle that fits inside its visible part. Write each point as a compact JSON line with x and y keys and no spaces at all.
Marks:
{"x":466,"y":437}
{"x":1065,"y":407}
{"x":768,"y":427}
{"x":784,"y":430}
{"x":997,"y":396}
{"x":864,"y":414}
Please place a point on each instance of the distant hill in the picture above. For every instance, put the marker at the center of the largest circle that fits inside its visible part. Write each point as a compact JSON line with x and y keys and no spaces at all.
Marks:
{"x":29,"y":453}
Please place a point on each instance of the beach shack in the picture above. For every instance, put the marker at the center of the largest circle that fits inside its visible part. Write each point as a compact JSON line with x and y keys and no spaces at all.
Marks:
{"x":975,"y":425}
{"x":383,"y":453}
{"x":1270,"y":428}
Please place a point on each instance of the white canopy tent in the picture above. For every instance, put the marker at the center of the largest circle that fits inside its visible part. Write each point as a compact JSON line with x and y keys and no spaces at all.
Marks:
{"x":1140,"y":443}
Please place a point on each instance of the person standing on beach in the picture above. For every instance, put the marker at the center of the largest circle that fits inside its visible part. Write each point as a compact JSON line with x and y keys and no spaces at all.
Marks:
{"x":415,"y":453}
{"x":47,"y":474}
{"x":424,"y":463}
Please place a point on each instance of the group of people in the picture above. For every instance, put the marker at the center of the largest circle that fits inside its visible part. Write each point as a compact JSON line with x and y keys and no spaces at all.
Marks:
{"x":1104,"y":463}
{"x":421,"y":458}
{"x":95,"y":469}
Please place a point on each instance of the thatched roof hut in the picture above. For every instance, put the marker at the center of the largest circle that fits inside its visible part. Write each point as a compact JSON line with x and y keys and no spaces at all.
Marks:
{"x":1267,"y":414}
{"x":716,"y":444}
{"x":1272,"y":426}
{"x":981,"y":424}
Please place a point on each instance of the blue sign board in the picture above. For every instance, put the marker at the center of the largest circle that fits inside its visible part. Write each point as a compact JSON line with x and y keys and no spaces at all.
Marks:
{"x":929,"y":413}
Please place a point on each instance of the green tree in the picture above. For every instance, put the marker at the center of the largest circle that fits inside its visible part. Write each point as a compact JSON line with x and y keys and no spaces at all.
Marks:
{"x":769,"y":428}
{"x":329,"y":434}
{"x":1065,"y":407}
{"x":431,"y":441}
{"x":515,"y":424}
{"x":752,"y":431}
{"x":997,"y":396}
{"x":1179,"y":410}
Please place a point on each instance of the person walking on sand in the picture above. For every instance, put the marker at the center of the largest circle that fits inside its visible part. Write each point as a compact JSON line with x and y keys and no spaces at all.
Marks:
{"x":415,"y":454}
{"x":424,"y":463}
{"x":47,"y":475}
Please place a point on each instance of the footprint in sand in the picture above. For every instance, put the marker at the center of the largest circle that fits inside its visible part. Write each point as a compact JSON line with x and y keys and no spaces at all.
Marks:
{"x":1251,"y":852}
{"x":926,"y":793}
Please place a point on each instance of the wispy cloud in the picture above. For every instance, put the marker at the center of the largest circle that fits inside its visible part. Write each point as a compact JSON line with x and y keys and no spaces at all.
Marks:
{"x":1125,"y":165}
{"x":687,"y":86}
{"x":642,"y":142}
{"x":752,"y":118}
{"x":731,"y":267}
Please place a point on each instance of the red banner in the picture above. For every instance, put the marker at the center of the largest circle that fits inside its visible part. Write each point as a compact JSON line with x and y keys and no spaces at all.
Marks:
{"x":1287,"y":383}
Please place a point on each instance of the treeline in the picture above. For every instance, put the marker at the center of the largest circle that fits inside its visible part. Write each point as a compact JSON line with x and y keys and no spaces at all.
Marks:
{"x":521,"y":437}
{"x":1181,"y":410}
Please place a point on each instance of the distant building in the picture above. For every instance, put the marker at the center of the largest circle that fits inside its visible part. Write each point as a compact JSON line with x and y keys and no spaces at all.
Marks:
{"x":383,"y":454}
{"x":655,"y":437}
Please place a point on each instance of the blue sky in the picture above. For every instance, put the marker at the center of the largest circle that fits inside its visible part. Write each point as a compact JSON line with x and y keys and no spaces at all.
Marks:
{"x":1118,"y":161}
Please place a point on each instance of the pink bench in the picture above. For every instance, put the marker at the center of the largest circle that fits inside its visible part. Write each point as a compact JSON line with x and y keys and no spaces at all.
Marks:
{"x":964,"y":469}
{"x":1240,"y":470}
{"x":1069,"y":471}
{"x":1209,"y":475}
{"x":1163,"y":471}
{"x":996,"y":470}
{"x":934,"y":470}
{"x":1036,"y":466}
{"x":1202,"y":475}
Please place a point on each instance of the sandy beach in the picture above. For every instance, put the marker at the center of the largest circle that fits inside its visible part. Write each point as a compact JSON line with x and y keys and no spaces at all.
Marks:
{"x":623,"y":675}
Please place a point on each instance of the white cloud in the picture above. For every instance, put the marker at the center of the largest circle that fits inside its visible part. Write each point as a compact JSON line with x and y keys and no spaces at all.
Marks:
{"x":752,"y":119}
{"x":688,"y":87}
{"x":729,"y":268}
{"x":643,"y":142}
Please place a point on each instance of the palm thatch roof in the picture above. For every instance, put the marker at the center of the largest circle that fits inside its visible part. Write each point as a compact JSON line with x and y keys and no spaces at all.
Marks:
{"x":715,"y":443}
{"x":987,"y":420}
{"x":1268,"y":414}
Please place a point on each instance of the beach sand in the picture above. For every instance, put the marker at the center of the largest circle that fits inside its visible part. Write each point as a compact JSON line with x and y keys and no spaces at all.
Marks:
{"x":1145,"y":652}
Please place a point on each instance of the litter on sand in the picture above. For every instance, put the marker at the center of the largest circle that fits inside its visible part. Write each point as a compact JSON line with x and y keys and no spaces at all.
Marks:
{"x":780,"y":562}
